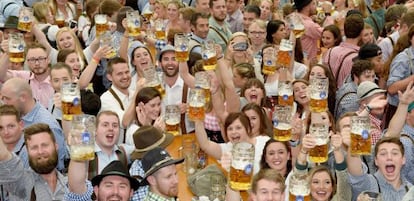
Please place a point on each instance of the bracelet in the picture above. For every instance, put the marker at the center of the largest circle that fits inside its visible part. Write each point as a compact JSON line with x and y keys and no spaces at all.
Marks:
{"x":94,"y":59}
{"x":220,"y":57}
{"x":303,"y":152}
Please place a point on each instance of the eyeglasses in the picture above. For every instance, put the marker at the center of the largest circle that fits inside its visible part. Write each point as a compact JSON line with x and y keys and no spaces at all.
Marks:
{"x":34,"y":60}
{"x":257,"y":32}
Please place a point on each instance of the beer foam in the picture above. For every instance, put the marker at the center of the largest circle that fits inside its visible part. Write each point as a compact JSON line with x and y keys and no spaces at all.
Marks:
{"x":283,"y":126}
{"x":196,"y":104}
{"x":172,"y":121}
{"x":69,"y":98}
{"x":299,"y":189}
{"x":240,"y":164}
{"x":100,"y":20}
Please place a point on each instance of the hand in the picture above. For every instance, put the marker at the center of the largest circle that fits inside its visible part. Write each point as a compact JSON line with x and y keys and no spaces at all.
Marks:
{"x":336,"y":141}
{"x":125,"y":24}
{"x":5,"y":45}
{"x":112,"y":26}
{"x":225,"y":160}
{"x":159,"y":123}
{"x":308,"y":142}
{"x":346,"y":136}
{"x":183,"y":108}
{"x":378,"y":102}
{"x":407,"y":96}
{"x":57,"y":100}
{"x":141,"y":113}
{"x":219,"y":50}
{"x":297,"y":127}
{"x":140,"y":84}
{"x":102,"y":51}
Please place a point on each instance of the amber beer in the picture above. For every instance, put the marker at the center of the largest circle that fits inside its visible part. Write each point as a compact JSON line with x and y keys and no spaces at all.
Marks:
{"x":285,"y":95}
{"x":16,"y":57}
{"x":282,"y":132}
{"x":25,"y":19}
{"x":207,"y":94}
{"x":317,"y":104}
{"x":172,"y":126}
{"x":210,"y":63}
{"x":134,"y":24}
{"x":196,"y":111}
{"x":283,"y":58}
{"x":133,"y":30}
{"x":241,"y":169}
{"x":268,"y":68}
{"x":359,"y":145}
{"x":319,"y":154}
{"x":319,"y":94}
{"x":160,"y":34}
{"x":147,"y":15}
{"x":70,"y":106}
{"x":299,"y":31}
{"x":82,"y":153}
{"x":24,"y":26}
{"x":101,"y":24}
{"x":181,"y":56}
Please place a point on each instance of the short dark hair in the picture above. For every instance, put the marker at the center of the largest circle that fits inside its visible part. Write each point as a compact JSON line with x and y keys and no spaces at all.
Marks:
{"x":271,"y":28}
{"x":359,"y":66}
{"x":394,"y":140}
{"x":252,"y":9}
{"x":62,"y":65}
{"x":63,"y":53}
{"x":112,"y":62}
{"x":353,"y":26}
{"x":36,"y":129}
{"x":196,"y":16}
{"x":243,"y":119}
{"x":107,"y":113}
{"x":10,"y":110}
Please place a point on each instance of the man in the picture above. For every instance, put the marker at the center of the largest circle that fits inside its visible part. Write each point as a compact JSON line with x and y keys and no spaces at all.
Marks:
{"x":38,"y":76}
{"x":339,"y":59}
{"x":11,"y":132}
{"x":219,"y":30}
{"x":18,"y":93}
{"x":200,"y":27}
{"x":160,"y":175}
{"x":9,"y":8}
{"x":234,"y":16}
{"x":118,"y":97}
{"x":176,"y":91}
{"x":59,"y":74}
{"x":114,"y":183}
{"x":42,"y":181}
{"x":202,"y":6}
{"x":306,"y":9}
{"x":389,"y":158}
{"x":251,"y":13}
{"x":404,"y":130}
{"x":373,"y":53}
{"x":185,"y":19}
{"x":267,"y":185}
{"x":346,"y":96}
{"x":106,"y":148}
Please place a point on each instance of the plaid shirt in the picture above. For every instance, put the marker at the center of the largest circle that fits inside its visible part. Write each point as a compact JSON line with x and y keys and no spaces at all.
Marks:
{"x":155,"y":197}
{"x":137,"y":170}
{"x":211,"y":122}
{"x":375,"y":129}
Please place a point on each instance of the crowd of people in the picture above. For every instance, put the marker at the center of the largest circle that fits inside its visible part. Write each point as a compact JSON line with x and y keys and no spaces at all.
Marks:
{"x":363,"y":48}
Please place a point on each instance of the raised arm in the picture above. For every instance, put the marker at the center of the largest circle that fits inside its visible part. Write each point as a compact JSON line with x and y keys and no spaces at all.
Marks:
{"x":87,"y":74}
{"x":77,"y":176}
{"x":186,"y":76}
{"x":4,"y":62}
{"x":41,"y":38}
{"x":130,"y":113}
{"x":398,"y":120}
{"x":230,"y":94}
{"x":217,"y":98}
{"x":211,"y":148}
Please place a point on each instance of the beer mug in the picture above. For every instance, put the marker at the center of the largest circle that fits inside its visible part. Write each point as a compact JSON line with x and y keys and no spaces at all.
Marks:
{"x":282,"y":128}
{"x":197,"y":104}
{"x":208,"y":51}
{"x":107,"y":39}
{"x":71,"y":100}
{"x":153,"y":80}
{"x":181,"y":47}
{"x":202,"y":81}
{"x":16,"y":47}
{"x":160,"y":29}
{"x":369,"y":196}
{"x":172,"y":119}
{"x":299,"y":188}
{"x":60,"y":19}
{"x":285,"y":93}
{"x":101,"y":24}
{"x":134,"y":23}
{"x":360,"y":135}
{"x":284,"y":55}
{"x":82,"y":145}
{"x":320,"y":132}
{"x":147,"y":14}
{"x":218,"y":187}
{"x":269,"y":61}
{"x":296,"y":25}
{"x":319,"y":94}
{"x":241,"y":169}
{"x":25,"y":19}
{"x":189,"y":153}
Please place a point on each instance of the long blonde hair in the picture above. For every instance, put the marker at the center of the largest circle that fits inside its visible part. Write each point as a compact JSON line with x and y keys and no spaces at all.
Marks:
{"x":78,"y":46}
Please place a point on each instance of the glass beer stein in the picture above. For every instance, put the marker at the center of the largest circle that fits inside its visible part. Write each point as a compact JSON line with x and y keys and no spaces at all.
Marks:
{"x":360,"y":135}
{"x":285,"y":93}
{"x":101,"y":24}
{"x":282,"y":128}
{"x":189,"y":153}
{"x":320,"y":132}
{"x":181,"y":47}
{"x":197,"y":104}
{"x":153,"y":80}
{"x":299,"y":188}
{"x":134,"y":23}
{"x":147,"y":14}
{"x":296,"y":24}
{"x":107,"y":39}
{"x":16,"y":47}
{"x":25,"y":19}
{"x":60,"y":19}
{"x":208,"y":51}
{"x":71,"y":100}
{"x":202,"y":81}
{"x":160,"y":29}
{"x":172,"y":119}
{"x":82,"y":145}
{"x":241,"y":169}
{"x":269,"y":61}
{"x":284,"y":55}
{"x":319,"y":94}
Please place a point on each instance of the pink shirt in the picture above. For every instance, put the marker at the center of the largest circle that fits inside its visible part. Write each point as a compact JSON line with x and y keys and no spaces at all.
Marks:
{"x":336,"y":55}
{"x":313,"y":33}
{"x":42,"y":90}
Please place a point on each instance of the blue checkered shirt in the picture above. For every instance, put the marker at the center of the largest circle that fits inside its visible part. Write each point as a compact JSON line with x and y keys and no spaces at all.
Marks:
{"x":346,"y":99}
{"x":137,"y":170}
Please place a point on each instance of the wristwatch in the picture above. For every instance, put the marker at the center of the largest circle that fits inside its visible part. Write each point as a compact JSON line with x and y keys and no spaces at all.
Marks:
{"x":294,"y":143}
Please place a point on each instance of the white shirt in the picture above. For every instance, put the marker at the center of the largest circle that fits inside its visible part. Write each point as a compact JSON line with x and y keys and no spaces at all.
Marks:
{"x":387,"y":47}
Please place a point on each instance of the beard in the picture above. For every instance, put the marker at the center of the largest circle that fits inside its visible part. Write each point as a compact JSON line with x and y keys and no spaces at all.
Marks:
{"x":39,"y":71}
{"x":44,"y":167}
{"x":169,"y":73}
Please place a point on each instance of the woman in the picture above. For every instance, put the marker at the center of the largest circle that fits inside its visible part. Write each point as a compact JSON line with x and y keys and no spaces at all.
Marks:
{"x":257,"y":35}
{"x":359,"y":5}
{"x":233,"y":56}
{"x":275,"y":32}
{"x":321,"y":71}
{"x":266,"y":10}
{"x":236,"y":129}
{"x":85,"y":21}
{"x":259,"y":122}
{"x":146,"y":110}
{"x":367,"y":35}
{"x":139,"y":58}
{"x":331,"y":37}
{"x":276,"y":155}
{"x":254,"y":92}
{"x":71,"y":58}
{"x":173,"y":14}
{"x":242,"y":72}
{"x":64,"y":7}
{"x":45,"y":21}
{"x":300,"y":94}
{"x":160,"y":10}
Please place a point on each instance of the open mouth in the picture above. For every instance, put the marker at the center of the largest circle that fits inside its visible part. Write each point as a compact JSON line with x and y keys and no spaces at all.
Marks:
{"x":110,"y":137}
{"x":321,"y":193}
{"x":235,"y":139}
{"x":390,"y":168}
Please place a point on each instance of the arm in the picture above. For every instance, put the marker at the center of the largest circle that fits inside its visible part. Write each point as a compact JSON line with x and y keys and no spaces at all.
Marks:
{"x":4,"y":63}
{"x":5,"y":155}
{"x":400,"y":85}
{"x":400,"y":74}
{"x":41,"y":38}
{"x":217,"y":99}
{"x":308,"y":142}
{"x":232,"y":195}
{"x":87,"y":74}
{"x":123,"y":48}
{"x":77,"y":176}
{"x":186,"y":76}
{"x":130,"y":113}
{"x":230,"y":93}
{"x":211,"y":148}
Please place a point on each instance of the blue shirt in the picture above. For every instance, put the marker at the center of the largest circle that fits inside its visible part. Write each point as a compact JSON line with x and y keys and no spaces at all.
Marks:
{"x":215,"y":36}
{"x":400,"y":69}
{"x":137,"y":170}
{"x":39,"y":114}
{"x":407,"y":170}
{"x":21,"y":151}
{"x":346,"y":99}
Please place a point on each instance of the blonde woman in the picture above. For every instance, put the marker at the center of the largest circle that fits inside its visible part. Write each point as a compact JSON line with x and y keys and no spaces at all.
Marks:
{"x":66,"y":8}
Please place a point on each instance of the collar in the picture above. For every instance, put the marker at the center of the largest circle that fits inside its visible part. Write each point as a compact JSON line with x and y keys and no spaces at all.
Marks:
{"x":178,"y":83}
{"x":19,"y":145}
{"x":235,"y":15}
{"x":214,"y":23}
{"x":153,"y":196}
{"x":121,"y":95}
{"x":99,"y":150}
{"x":349,"y":45}
{"x":46,"y":80}
{"x":197,"y":38}
{"x":31,"y":115}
